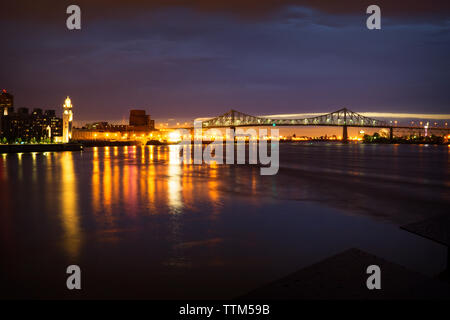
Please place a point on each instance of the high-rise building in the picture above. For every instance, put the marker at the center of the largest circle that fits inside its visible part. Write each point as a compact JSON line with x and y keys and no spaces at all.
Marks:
{"x":27,"y":127}
{"x":24,"y":126}
{"x":6,"y":102}
{"x":67,"y":120}
{"x":6,"y":106}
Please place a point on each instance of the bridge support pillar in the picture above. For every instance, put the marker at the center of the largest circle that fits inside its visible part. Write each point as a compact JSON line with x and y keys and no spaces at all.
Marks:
{"x":344,"y":134}
{"x":234,"y":133}
{"x":391,"y":133}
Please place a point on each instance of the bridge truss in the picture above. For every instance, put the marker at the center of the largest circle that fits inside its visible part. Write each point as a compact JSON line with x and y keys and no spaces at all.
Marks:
{"x":342,"y":117}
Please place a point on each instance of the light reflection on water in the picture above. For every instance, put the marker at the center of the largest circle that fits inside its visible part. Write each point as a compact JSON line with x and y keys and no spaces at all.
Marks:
{"x":210,"y":230}
{"x":69,"y":206}
{"x":174,"y":181}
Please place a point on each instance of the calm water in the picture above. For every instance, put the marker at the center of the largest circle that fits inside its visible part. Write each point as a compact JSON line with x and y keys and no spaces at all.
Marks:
{"x":141,"y":225}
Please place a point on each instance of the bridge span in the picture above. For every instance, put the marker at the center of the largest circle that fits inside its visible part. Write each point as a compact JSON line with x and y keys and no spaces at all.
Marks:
{"x":341,"y":118}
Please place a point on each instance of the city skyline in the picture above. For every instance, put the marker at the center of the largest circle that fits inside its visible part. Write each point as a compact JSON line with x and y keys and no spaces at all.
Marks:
{"x":104,"y":129}
{"x":124,"y":117}
{"x":194,"y":59}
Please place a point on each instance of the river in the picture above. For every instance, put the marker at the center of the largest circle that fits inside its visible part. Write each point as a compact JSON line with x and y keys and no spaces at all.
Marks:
{"x":141,"y":225}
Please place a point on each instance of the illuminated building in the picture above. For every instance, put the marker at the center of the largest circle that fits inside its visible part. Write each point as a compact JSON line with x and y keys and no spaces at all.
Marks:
{"x":22,"y":126}
{"x":6,"y":105}
{"x":67,"y":120}
{"x":140,"y":127}
{"x":6,"y":102}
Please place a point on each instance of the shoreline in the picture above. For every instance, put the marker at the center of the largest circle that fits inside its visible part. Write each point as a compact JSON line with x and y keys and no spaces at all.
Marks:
{"x":81,"y":145}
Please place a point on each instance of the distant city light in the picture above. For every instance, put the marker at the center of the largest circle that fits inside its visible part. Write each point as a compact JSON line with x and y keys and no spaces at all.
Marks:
{"x":174,"y":136}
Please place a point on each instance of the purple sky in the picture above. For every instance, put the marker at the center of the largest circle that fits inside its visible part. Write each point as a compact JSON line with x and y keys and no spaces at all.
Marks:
{"x":203,"y":58}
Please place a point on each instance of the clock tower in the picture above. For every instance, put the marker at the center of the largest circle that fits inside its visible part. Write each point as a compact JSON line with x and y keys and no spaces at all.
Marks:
{"x":67,"y":120}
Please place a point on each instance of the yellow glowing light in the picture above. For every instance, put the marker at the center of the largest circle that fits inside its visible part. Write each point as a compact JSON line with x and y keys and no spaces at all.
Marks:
{"x":174,"y":136}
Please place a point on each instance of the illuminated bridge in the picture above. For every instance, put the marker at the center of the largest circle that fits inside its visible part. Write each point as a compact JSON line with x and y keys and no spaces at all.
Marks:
{"x":341,"y":118}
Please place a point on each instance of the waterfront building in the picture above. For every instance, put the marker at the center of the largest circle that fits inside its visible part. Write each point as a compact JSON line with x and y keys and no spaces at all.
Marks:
{"x":23,"y":126}
{"x":140,"y":127}
{"x":67,"y":120}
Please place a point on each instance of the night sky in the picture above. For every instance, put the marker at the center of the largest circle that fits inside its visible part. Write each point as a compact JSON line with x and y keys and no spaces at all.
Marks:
{"x":200,"y":58}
